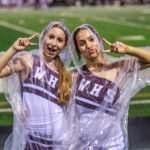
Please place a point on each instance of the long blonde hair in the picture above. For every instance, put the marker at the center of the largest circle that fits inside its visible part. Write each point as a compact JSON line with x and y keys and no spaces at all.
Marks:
{"x":64,"y":80}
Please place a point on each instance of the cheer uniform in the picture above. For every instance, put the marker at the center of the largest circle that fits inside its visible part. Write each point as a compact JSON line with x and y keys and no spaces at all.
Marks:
{"x":45,"y":121}
{"x":96,"y":94}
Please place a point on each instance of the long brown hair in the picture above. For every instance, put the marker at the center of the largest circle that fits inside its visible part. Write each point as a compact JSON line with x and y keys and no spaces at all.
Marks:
{"x":75,"y":42}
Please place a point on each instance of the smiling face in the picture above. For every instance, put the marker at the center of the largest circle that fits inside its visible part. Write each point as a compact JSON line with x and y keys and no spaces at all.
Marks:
{"x":54,"y":42}
{"x":87,"y":44}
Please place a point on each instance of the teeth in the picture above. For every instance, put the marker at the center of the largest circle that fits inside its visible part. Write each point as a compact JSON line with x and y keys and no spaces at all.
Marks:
{"x":52,"y":50}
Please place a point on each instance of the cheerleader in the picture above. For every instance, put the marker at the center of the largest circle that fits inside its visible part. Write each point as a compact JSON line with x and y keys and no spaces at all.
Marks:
{"x":44,"y":90}
{"x":104,"y":86}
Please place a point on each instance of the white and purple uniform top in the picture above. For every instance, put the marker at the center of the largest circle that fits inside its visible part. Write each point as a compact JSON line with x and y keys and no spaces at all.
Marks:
{"x":93,"y":91}
{"x":46,"y":116}
{"x":98,"y":95}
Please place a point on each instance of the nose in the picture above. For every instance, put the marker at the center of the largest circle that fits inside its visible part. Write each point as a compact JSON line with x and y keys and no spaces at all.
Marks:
{"x":54,"y":42}
{"x":88,"y":45}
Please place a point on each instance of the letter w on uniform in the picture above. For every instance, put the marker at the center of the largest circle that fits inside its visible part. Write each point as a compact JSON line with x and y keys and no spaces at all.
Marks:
{"x":83,"y":84}
{"x":39,"y":74}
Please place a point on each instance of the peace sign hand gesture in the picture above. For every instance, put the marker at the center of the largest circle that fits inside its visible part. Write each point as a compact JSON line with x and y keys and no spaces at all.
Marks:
{"x":116,"y":47}
{"x":22,"y":43}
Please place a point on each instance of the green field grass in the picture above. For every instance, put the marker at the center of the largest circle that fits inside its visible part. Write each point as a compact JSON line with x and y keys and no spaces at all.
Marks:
{"x":141,"y":110}
{"x":113,"y":23}
{"x":6,"y":118}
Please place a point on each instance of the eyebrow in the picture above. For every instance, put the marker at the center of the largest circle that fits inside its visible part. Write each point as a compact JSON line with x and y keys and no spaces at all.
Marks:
{"x":91,"y":36}
{"x":50,"y":34}
{"x":54,"y":35}
{"x":81,"y":40}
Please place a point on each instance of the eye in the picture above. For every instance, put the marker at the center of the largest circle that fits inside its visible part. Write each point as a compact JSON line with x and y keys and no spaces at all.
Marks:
{"x":82,"y":43}
{"x":91,"y":39}
{"x":51,"y":37}
{"x":60,"y":40}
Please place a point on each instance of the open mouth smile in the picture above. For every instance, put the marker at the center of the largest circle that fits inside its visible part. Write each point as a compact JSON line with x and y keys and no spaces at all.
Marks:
{"x":51,"y":50}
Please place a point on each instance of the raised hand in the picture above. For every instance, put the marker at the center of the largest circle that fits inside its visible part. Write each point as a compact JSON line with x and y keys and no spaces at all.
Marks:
{"x":22,"y":43}
{"x":116,"y":47}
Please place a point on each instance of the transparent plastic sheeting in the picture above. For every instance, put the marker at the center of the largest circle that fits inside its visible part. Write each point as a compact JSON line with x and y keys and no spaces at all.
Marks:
{"x":96,"y":115}
{"x":40,"y":122}
{"x":101,"y":100}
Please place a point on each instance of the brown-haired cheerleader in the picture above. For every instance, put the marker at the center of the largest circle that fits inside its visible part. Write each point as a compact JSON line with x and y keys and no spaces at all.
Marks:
{"x":104,"y":86}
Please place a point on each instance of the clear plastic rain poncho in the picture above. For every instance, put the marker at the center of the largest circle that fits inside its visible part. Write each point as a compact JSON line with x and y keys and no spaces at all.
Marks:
{"x":40,"y":122}
{"x":101,"y":103}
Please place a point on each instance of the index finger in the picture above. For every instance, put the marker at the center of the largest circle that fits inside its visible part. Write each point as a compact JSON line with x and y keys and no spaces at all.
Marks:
{"x":33,"y":36}
{"x":107,"y":42}
{"x":106,"y":51}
